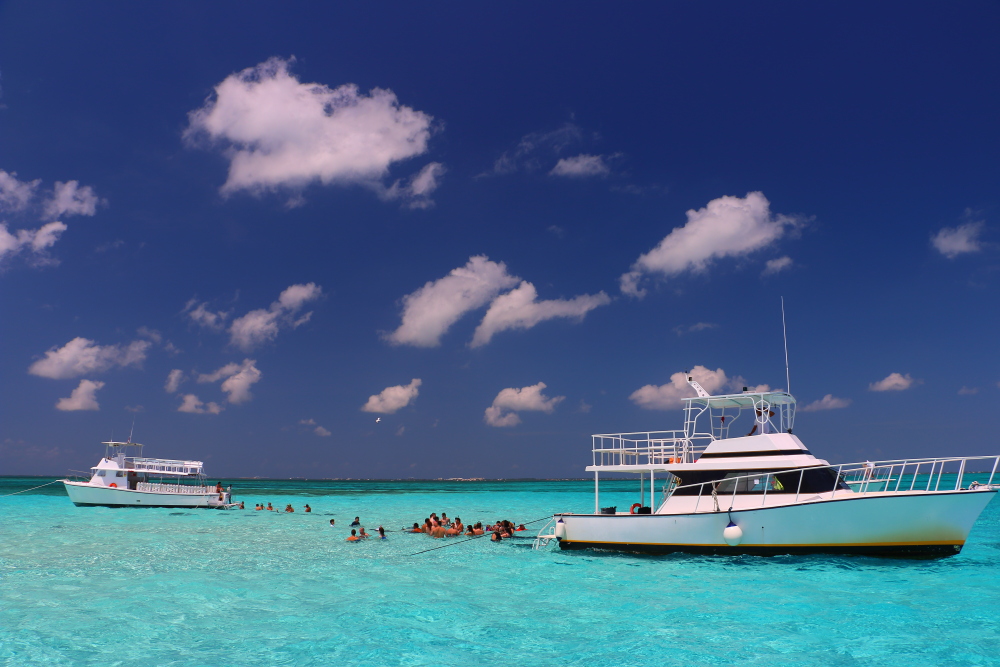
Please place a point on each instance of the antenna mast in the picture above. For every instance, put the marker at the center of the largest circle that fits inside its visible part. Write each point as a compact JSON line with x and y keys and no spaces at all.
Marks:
{"x":784,"y":333}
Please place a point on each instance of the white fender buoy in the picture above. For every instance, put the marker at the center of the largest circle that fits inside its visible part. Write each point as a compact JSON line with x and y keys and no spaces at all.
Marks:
{"x":560,"y":530}
{"x":732,"y":534}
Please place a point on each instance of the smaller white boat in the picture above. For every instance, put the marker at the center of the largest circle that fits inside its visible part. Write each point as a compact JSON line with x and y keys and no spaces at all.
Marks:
{"x":120,"y":480}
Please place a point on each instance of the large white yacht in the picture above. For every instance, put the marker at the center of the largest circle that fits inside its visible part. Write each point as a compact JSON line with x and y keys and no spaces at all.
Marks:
{"x":119,"y":480}
{"x":737,"y":480}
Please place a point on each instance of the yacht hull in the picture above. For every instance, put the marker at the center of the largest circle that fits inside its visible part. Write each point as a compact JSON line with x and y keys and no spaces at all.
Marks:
{"x":917,"y":525}
{"x":84,"y":494}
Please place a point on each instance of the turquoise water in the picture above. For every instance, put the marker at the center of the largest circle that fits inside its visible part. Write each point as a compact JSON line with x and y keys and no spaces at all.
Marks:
{"x":82,"y":586}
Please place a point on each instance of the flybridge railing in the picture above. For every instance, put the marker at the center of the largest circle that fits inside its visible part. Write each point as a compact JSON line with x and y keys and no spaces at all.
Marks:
{"x":647,"y":448}
{"x":163,"y":465}
{"x":880,"y":477}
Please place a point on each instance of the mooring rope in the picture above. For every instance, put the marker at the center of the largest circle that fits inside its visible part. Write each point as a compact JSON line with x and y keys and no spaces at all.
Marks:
{"x":55,"y":481}
{"x":527,"y":523}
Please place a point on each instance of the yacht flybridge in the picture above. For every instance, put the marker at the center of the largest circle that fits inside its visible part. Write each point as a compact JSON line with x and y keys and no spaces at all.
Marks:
{"x":120,"y":480}
{"x":736,"y":480}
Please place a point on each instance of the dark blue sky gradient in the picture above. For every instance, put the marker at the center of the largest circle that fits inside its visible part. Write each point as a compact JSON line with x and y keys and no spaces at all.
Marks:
{"x":877,"y":122}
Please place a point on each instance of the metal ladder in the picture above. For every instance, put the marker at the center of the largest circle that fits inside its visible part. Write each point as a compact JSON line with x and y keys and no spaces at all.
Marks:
{"x":543,"y":538}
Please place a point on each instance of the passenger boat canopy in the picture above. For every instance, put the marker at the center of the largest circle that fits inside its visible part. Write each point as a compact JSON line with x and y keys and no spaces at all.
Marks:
{"x":116,"y":458}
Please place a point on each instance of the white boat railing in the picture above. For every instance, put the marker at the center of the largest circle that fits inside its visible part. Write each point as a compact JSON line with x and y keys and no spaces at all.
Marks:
{"x":647,"y":448}
{"x":879,"y":477}
{"x":174,"y":488}
{"x":171,"y":466}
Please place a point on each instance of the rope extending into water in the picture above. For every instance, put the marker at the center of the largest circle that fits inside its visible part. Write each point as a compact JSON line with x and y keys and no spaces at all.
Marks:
{"x":527,"y":523}
{"x":56,"y":481}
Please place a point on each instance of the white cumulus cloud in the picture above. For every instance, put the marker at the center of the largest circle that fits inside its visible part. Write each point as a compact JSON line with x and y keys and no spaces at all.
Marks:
{"x":431,"y":310}
{"x":237,"y":380}
{"x":510,"y":401}
{"x":726,"y":227}
{"x":777,"y":265}
{"x":33,"y":241}
{"x":83,"y":397}
{"x":392,"y":399}
{"x":16,"y":195}
{"x":203,"y":317}
{"x":954,"y":241}
{"x":279,"y":132}
{"x":581,"y":166}
{"x":191,"y":403}
{"x":261,"y":326}
{"x":82,"y":356}
{"x":415,"y":192}
{"x":174,"y":380}
{"x":70,"y":199}
{"x":894,"y":382}
{"x":520,"y":309}
{"x":828,"y":402}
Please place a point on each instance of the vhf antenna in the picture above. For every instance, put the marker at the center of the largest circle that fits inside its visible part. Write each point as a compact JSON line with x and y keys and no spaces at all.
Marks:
{"x":133,"y":416}
{"x":784,"y":333}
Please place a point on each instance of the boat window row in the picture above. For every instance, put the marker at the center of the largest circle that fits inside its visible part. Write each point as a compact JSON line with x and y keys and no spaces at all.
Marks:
{"x":814,"y":480}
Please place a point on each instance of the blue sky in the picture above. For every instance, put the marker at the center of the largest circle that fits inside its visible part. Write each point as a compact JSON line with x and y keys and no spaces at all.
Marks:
{"x":260,"y":231}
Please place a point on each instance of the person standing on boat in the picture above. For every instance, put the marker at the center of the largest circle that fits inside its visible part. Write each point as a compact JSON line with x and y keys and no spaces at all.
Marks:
{"x":761,"y":422}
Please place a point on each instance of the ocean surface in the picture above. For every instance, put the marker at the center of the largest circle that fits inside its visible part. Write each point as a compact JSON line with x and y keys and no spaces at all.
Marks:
{"x":91,"y":585}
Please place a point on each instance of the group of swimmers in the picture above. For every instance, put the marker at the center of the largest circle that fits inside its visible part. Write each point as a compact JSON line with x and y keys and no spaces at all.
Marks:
{"x":436,"y":527}
{"x":288,"y":507}
{"x":445,"y":527}
{"x":358,"y":534}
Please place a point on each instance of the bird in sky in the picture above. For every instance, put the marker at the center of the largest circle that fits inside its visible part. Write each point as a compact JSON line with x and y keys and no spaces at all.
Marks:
{"x":378,"y":419}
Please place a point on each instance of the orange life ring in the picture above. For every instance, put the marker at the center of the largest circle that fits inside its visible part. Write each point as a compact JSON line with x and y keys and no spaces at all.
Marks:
{"x":634,"y":507}
{"x":113,"y":485}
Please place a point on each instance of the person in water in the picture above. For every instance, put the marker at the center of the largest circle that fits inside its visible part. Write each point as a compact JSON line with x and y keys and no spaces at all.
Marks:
{"x":289,"y":508}
{"x":381,"y":532}
{"x":308,"y":509}
{"x":438,"y":531}
{"x":354,"y":536}
{"x":416,"y":528}
{"x":331,"y":523}
{"x":241,"y":505}
{"x":496,"y":537}
{"x":356,"y":522}
{"x":478,"y":529}
{"x":269,"y":508}
{"x":363,"y":534}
